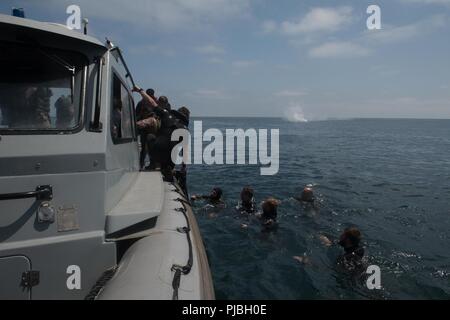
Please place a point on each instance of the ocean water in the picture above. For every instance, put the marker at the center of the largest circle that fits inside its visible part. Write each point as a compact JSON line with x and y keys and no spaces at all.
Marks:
{"x":390,"y":178}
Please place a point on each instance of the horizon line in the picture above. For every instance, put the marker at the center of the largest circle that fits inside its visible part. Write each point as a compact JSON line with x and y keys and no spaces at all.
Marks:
{"x":328,"y":119}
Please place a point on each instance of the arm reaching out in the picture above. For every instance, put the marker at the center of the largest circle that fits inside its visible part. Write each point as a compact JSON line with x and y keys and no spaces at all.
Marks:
{"x":145,"y":96}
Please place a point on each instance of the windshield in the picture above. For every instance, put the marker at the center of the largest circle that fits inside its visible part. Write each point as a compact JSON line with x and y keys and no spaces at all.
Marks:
{"x":40,"y":88}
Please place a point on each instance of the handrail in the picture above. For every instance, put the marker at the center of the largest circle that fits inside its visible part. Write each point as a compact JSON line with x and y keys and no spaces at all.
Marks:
{"x":125,"y":65}
{"x":42,"y":193}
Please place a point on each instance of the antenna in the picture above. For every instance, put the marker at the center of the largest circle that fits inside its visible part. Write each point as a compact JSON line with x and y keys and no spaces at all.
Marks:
{"x":85,"y":23}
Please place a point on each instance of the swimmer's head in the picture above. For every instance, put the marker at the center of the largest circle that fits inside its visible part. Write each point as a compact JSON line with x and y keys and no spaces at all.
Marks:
{"x":307,"y":194}
{"x":270,"y":208}
{"x":247,"y":194}
{"x":216,"y":194}
{"x":351,"y":237}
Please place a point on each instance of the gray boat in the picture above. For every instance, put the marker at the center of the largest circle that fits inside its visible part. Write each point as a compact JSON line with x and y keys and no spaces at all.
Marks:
{"x":78,"y":220}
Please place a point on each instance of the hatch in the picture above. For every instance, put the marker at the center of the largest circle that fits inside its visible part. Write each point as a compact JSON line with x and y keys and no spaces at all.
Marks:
{"x":15,"y":278}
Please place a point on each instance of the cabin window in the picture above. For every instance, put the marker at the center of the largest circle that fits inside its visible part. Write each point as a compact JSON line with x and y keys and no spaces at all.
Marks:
{"x":122,"y":117}
{"x":40,"y":89}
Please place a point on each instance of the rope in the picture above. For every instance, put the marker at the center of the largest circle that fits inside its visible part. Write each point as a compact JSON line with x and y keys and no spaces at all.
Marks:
{"x":182,"y":270}
{"x":176,"y":283}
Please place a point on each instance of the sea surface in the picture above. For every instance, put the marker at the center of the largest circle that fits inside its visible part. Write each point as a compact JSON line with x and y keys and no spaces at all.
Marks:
{"x":390,"y":178}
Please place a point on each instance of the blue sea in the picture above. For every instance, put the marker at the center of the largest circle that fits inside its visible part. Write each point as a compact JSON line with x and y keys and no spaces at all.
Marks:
{"x":390,"y":178}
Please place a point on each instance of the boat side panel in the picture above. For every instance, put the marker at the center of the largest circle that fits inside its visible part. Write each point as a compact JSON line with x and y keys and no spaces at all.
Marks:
{"x":64,"y":262}
{"x":77,"y":205}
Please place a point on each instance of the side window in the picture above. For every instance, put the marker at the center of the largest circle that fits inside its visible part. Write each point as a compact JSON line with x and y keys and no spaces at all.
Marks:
{"x":121,"y":115}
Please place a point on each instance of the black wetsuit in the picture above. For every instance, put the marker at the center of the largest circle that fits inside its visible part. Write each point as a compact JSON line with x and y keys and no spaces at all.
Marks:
{"x":247,"y":207}
{"x":269,"y":219}
{"x":161,"y":147}
{"x":352,"y":259}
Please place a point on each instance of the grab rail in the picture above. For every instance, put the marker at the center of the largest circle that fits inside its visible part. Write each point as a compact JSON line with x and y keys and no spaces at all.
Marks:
{"x":42,"y":193}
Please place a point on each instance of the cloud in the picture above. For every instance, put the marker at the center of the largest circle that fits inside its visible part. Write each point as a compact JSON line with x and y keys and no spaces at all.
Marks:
{"x":210,"y":49}
{"x":338,"y":49}
{"x":215,"y":60}
{"x":319,"y":19}
{"x":384,"y":70}
{"x":290,"y":93}
{"x":161,"y":15}
{"x":369,"y":40}
{"x":153,"y":49}
{"x":394,"y":34}
{"x":244,"y":63}
{"x":209,"y":94}
{"x":269,"y":26}
{"x":444,"y":2}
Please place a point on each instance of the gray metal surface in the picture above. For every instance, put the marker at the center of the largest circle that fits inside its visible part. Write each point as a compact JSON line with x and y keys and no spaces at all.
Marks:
{"x":11,"y":288}
{"x":28,"y":25}
{"x":144,"y":200}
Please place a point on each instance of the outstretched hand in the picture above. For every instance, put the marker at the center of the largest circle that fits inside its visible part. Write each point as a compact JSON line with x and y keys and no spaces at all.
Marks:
{"x":137,"y":89}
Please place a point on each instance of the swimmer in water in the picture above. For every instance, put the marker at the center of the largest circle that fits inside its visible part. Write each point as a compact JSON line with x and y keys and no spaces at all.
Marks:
{"x":247,"y":203}
{"x":214,"y":198}
{"x":307,"y":195}
{"x":308,"y":201}
{"x":269,"y":213}
{"x":352,"y":259}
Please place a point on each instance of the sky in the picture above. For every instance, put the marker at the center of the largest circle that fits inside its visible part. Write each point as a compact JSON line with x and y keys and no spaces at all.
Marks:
{"x":312,"y":59}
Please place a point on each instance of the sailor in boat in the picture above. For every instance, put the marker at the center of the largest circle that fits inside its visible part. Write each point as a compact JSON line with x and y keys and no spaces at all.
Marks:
{"x":144,"y":110}
{"x":163,"y":121}
{"x":163,"y":102}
